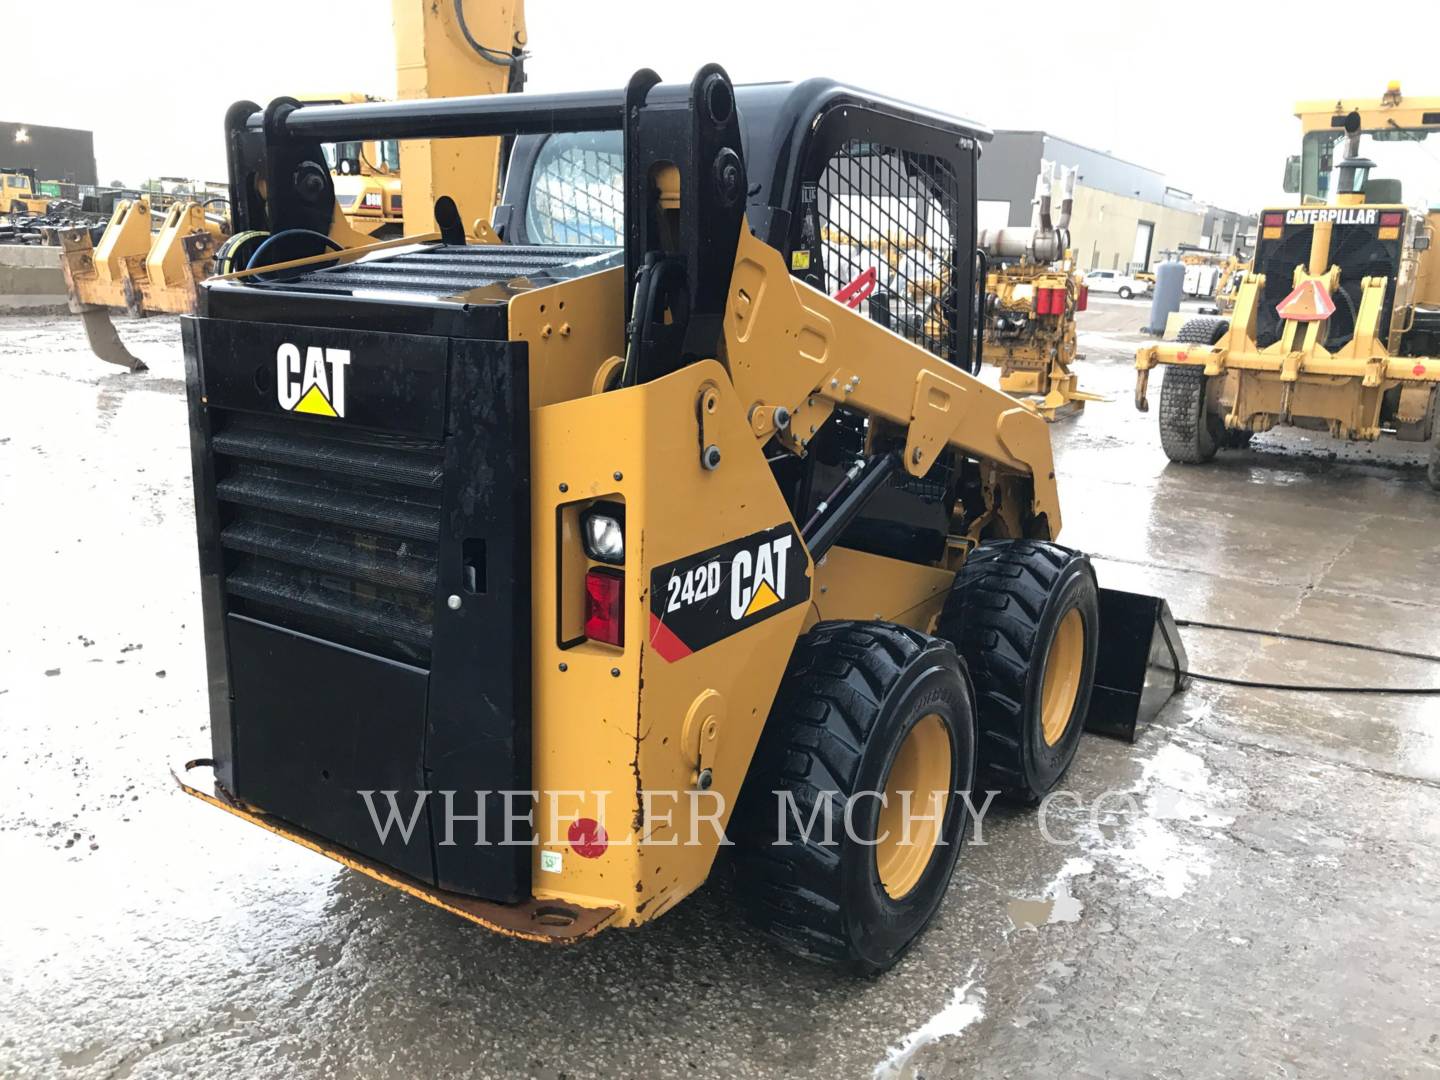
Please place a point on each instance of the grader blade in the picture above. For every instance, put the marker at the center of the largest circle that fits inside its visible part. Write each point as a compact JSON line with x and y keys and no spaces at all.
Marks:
{"x":1142,"y":663}
{"x":105,"y":341}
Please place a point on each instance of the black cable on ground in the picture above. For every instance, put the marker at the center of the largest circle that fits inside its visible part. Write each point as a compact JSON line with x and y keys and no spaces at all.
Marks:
{"x":1313,"y":688}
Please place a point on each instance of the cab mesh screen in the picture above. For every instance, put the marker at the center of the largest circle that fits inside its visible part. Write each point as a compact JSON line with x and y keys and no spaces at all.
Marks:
{"x":577,"y":193}
{"x":896,"y":213}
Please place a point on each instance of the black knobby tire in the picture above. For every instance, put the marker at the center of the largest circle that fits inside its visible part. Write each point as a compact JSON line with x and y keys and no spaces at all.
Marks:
{"x":1189,"y":432}
{"x":1004,"y":611}
{"x":851,"y":695}
{"x":1433,"y":472}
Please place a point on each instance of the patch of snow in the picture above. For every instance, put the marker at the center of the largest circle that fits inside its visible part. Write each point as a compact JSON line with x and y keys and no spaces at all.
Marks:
{"x":959,"y":1013}
{"x":1067,"y":907}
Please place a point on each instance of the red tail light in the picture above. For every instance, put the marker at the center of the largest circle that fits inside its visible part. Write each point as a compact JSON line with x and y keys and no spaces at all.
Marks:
{"x":1274,"y":219}
{"x":1082,"y":298}
{"x":605,"y":606}
{"x":1394,"y":217}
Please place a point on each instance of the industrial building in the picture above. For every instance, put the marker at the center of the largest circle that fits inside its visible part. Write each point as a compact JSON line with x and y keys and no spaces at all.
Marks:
{"x":1125,"y":214}
{"x":55,"y":153}
{"x":1229,"y":232}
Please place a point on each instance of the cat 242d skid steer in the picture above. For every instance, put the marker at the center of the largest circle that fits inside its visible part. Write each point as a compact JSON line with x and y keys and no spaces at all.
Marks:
{"x":534,"y":572}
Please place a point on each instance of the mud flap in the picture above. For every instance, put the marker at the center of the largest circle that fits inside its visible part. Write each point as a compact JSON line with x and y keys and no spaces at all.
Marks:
{"x":105,"y":341}
{"x":1140,"y":666}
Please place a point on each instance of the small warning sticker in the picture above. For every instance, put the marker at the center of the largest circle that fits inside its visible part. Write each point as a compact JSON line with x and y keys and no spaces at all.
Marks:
{"x":552,"y":862}
{"x":800,"y":260}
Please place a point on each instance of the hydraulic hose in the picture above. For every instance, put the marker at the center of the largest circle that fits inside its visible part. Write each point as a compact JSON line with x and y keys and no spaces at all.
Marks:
{"x":1313,"y":688}
{"x":255,"y":263}
{"x":495,"y":56}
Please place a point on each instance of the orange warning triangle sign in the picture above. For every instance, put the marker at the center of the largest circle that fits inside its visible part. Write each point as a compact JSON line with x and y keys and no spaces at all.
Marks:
{"x":1308,"y":302}
{"x":763,"y":598}
{"x":314,"y":403}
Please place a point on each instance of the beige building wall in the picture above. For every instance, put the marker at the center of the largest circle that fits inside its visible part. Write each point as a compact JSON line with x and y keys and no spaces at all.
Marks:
{"x":1103,"y":227}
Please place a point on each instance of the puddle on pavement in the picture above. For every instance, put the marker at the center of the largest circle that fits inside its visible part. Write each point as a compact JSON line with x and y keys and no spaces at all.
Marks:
{"x":1058,"y":904}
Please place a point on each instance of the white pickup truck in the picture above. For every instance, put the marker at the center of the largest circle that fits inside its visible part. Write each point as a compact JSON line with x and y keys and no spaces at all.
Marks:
{"x":1116,"y":281}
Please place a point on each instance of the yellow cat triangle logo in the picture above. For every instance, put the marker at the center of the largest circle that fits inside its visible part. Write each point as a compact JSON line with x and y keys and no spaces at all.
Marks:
{"x":764,"y":597}
{"x":314,"y":402}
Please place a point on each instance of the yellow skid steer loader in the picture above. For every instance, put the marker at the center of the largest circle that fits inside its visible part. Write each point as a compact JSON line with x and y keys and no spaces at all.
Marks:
{"x":534,"y":572}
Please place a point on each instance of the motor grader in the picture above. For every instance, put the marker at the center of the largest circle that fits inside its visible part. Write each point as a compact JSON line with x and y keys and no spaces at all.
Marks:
{"x":1032,"y":295}
{"x":1336,"y":325}
{"x":534,"y":574}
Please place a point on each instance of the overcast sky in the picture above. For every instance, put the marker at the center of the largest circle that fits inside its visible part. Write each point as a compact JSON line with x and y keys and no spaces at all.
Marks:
{"x":1161,"y":84}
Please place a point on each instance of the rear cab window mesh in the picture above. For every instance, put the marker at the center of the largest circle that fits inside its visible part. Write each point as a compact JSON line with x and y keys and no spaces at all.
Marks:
{"x":577,"y":191}
{"x":877,"y":208}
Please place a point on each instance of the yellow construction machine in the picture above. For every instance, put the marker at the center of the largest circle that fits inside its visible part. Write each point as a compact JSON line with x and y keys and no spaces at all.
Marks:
{"x":1227,"y":288}
{"x":20,"y":193}
{"x":1336,"y":326}
{"x":367,"y":185}
{"x":534,"y":573}
{"x":474,"y":47}
{"x":1032,"y":295}
{"x":366,"y":176}
{"x":137,"y":270}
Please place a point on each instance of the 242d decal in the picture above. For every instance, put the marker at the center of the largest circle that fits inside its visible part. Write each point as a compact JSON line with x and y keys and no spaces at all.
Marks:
{"x":703,"y":598}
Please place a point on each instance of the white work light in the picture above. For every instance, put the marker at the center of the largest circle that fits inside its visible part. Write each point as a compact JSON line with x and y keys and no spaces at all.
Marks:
{"x":604,"y":538}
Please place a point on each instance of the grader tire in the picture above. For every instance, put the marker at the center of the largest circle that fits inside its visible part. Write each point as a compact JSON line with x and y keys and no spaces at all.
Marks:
{"x":1189,"y":432}
{"x":863,"y":707}
{"x":1024,"y":616}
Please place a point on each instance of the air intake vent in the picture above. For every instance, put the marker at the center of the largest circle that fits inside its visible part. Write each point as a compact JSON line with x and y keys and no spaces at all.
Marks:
{"x":439,"y":270}
{"x":330,"y":534}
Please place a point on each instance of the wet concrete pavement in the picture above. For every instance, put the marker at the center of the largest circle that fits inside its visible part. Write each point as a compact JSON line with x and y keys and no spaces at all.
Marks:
{"x":1259,"y":895}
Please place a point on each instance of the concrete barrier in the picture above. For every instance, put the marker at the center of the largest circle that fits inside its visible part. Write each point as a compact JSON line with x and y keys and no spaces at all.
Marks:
{"x":31,"y":280}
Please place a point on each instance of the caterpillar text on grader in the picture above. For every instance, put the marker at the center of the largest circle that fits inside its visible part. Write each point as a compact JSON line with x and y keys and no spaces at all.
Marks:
{"x":627,"y":532}
{"x":1336,"y":326}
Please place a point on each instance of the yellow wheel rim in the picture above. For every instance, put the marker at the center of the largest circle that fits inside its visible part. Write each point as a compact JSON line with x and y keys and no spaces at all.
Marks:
{"x":922,"y":768}
{"x":1062,"y":677}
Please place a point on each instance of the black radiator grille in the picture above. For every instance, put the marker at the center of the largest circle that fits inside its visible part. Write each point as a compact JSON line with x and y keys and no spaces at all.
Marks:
{"x":439,"y":270}
{"x":1356,"y":249}
{"x":331,"y":534}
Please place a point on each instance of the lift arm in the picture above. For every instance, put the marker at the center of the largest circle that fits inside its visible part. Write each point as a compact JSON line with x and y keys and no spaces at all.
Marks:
{"x":455,"y":48}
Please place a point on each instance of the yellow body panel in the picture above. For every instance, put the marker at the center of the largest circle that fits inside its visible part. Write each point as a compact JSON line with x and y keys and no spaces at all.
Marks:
{"x":858,"y":585}
{"x":612,"y":721}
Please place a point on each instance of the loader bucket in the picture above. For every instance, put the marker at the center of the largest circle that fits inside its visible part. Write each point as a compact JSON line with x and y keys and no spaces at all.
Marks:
{"x":1140,"y":666}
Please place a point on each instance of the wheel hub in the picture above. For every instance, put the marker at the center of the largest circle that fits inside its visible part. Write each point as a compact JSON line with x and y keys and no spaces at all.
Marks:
{"x":921,"y":768}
